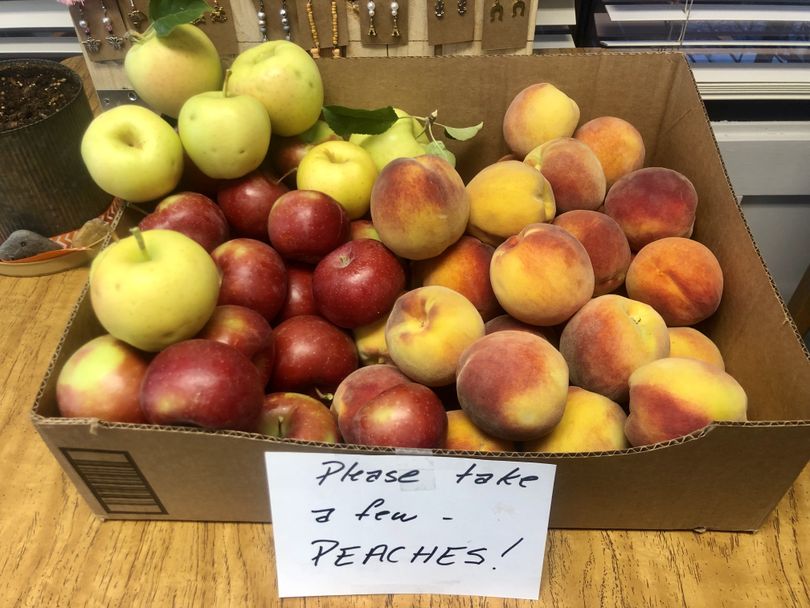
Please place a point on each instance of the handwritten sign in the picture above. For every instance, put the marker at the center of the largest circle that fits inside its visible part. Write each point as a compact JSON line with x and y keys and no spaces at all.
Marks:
{"x":349,"y":524}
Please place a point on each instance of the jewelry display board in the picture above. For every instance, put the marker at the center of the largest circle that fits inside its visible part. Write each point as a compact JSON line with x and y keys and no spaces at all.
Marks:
{"x":451,"y":21}
{"x":504,"y":24}
{"x":322,"y":26}
{"x":383,"y":21}
{"x":101,"y":29}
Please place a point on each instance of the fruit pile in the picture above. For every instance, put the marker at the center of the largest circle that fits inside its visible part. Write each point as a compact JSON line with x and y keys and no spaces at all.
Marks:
{"x":370,"y":296}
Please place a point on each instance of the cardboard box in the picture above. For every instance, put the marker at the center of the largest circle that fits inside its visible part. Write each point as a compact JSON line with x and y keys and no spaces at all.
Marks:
{"x":725,"y":477}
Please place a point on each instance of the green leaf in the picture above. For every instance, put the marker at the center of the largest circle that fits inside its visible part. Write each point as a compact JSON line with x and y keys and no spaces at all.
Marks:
{"x":168,"y":14}
{"x":437,"y":148}
{"x":345,"y":121}
{"x":463,"y":133}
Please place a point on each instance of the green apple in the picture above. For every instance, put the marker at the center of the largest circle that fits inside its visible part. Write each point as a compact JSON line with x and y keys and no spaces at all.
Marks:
{"x":154,"y":288}
{"x":132,"y":153}
{"x":341,"y":169}
{"x":406,"y":138}
{"x":166,"y":71}
{"x":225,"y":135}
{"x":284,"y":77}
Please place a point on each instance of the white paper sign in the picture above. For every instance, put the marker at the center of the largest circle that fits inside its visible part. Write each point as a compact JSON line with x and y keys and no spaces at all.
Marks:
{"x":349,"y":524}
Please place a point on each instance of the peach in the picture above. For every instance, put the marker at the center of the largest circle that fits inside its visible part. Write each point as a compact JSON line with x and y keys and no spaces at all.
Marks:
{"x":428,"y":329}
{"x":674,"y":396}
{"x":542,"y":275}
{"x":689,"y":343}
{"x":651,"y":204}
{"x":574,"y":172}
{"x":616,"y":143}
{"x":357,"y":389}
{"x":462,"y":434}
{"x":370,"y":342}
{"x":610,"y":338}
{"x":419,"y":206}
{"x":505,"y":322}
{"x":679,"y":277}
{"x":463,"y":267}
{"x":538,"y":113}
{"x":506,"y":197}
{"x":605,"y":243}
{"x":590,"y":423}
{"x":512,"y":385}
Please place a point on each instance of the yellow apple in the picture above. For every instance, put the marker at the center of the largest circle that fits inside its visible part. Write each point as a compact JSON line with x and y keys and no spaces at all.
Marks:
{"x":225,"y":135}
{"x":341,"y":169}
{"x":133,"y":153}
{"x":406,"y":138}
{"x":284,"y":77}
{"x":154,"y":288}
{"x":165,"y":71}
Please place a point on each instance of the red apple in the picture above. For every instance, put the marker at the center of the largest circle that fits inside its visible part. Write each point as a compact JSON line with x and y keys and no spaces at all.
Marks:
{"x":311,"y":353}
{"x":297,"y":416}
{"x":247,"y":331}
{"x":202,"y":383}
{"x":358,"y":388}
{"x":305,"y":225}
{"x":102,"y":379}
{"x":194,"y":180}
{"x":193,"y":214}
{"x":299,"y":300}
{"x":407,"y":415}
{"x":253,"y":275}
{"x":246,"y":203}
{"x":357,"y":283}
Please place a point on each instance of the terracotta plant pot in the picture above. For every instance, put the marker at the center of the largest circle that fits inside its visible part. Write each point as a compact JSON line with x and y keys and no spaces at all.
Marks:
{"x":44,"y":185}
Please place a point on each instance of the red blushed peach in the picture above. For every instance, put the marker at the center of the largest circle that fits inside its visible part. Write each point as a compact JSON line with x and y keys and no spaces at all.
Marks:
{"x":506,"y":197}
{"x":689,"y":343}
{"x":542,"y":276}
{"x":463,"y":267}
{"x":512,"y":385}
{"x":651,"y":204}
{"x":574,"y":172}
{"x":462,"y":434}
{"x":357,"y":389}
{"x":370,"y":342}
{"x":505,"y":322}
{"x":590,"y":423}
{"x":428,"y":329}
{"x":605,"y":243}
{"x":610,"y":338}
{"x":296,"y":416}
{"x":673,"y":397}
{"x":419,"y":206}
{"x":616,"y":143}
{"x":537,"y":114}
{"x":678,"y":277}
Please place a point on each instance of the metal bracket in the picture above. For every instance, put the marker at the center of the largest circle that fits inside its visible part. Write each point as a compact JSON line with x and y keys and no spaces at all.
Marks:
{"x":118,"y":97}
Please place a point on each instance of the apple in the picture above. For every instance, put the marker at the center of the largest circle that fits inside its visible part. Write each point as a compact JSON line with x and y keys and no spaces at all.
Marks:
{"x":246,"y":203}
{"x":253,"y":275}
{"x":297,"y":416}
{"x":311,"y":353}
{"x":193,"y":214}
{"x":225,"y":135}
{"x":153,"y":289}
{"x":247,"y":331}
{"x":132,"y":153}
{"x":286,"y":153}
{"x":284,"y":77}
{"x":299,"y":300}
{"x":202,"y":383}
{"x":407,"y":415}
{"x":102,"y":379}
{"x":165,"y":71}
{"x":305,"y":225}
{"x":362,"y":229}
{"x":406,"y":138}
{"x":341,"y":169}
{"x":357,"y":283}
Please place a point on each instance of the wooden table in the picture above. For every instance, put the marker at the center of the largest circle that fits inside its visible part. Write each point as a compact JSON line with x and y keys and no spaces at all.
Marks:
{"x":54,"y":552}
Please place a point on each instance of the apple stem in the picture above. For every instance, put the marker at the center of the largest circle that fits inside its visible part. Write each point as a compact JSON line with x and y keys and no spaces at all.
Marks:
{"x":287,"y":174}
{"x":136,"y":232}
{"x":225,"y":82}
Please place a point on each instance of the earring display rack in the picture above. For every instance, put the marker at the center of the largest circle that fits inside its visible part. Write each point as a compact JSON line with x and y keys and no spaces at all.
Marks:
{"x":413,"y":22}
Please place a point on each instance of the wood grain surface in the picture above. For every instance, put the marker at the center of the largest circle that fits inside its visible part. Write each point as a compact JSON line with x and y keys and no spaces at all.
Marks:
{"x":54,"y":552}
